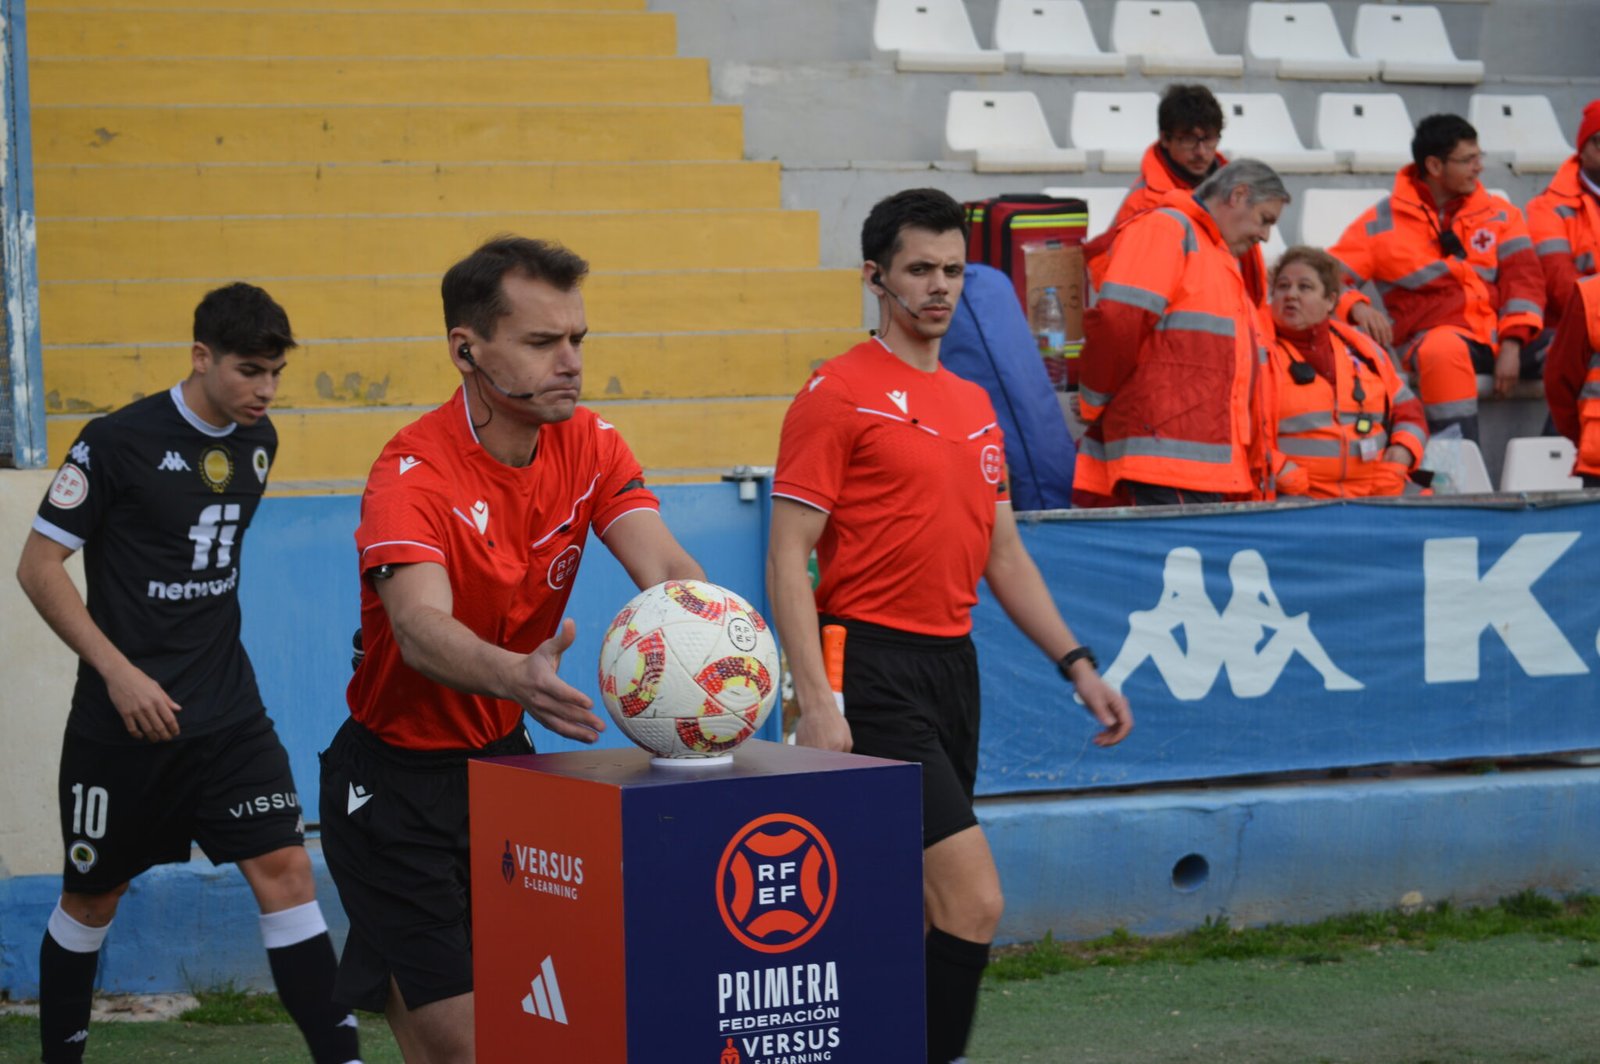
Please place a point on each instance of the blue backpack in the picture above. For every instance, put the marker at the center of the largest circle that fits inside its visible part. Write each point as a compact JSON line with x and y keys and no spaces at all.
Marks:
{"x":989,"y":344}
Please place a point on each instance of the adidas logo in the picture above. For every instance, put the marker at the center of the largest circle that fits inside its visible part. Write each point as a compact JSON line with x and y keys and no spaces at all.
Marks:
{"x":544,"y":1001}
{"x":174,"y":463}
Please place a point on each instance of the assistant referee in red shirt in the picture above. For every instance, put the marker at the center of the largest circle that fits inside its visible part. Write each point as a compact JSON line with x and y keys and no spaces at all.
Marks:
{"x":892,"y":468}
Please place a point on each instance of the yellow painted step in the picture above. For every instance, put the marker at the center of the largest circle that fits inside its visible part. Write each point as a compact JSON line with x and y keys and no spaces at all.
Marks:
{"x":328,"y":374}
{"x":301,"y":188}
{"x":321,"y":5}
{"x":342,"y":246}
{"x":268,"y":31}
{"x":341,"y":445}
{"x":536,"y":132}
{"x":74,"y":81}
{"x":358,"y":308}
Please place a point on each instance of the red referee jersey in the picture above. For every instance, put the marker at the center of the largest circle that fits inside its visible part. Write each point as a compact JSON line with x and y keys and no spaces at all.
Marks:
{"x":909,"y":467}
{"x":511,"y":540}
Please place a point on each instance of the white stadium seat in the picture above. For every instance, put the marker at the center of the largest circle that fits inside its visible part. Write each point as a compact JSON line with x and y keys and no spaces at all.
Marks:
{"x":1104,"y":202}
{"x":1170,"y":37}
{"x":1371,"y":130}
{"x":1412,"y":45}
{"x":1305,"y":41}
{"x":931,"y":35}
{"x":1525,"y":127}
{"x":1325,"y":213}
{"x":1053,"y":37}
{"x":1257,"y":125}
{"x":1119,"y":125}
{"x":1457,"y":465}
{"x":1539,"y":463}
{"x":1004,"y":132}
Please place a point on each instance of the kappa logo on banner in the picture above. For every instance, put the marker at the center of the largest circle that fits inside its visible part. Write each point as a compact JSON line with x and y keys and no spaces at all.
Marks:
{"x":776,"y":883}
{"x":1229,"y":639}
{"x":544,"y":995}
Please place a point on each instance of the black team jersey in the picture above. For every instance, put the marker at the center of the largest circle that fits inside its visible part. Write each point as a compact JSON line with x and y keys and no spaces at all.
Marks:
{"x":159,"y":501}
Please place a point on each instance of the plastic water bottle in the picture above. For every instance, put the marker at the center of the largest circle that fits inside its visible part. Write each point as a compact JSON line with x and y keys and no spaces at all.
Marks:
{"x":1050,"y":330}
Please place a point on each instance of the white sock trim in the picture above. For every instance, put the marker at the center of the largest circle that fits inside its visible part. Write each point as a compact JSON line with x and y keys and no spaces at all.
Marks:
{"x":73,"y":936}
{"x":287,"y":927}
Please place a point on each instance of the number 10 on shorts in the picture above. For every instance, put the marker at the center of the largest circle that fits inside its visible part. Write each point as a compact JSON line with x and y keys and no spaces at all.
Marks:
{"x":89,"y":810}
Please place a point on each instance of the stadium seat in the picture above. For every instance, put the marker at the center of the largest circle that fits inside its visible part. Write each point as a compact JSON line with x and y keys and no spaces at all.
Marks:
{"x":1004,"y":132}
{"x":1412,"y":45}
{"x":1525,"y":127}
{"x":1325,"y":213}
{"x":1257,"y":125}
{"x":1371,"y":130}
{"x":1457,"y":465}
{"x":1053,"y":37}
{"x":931,"y":35}
{"x":1305,"y":41}
{"x":1103,"y":204}
{"x":1169,"y":37}
{"x":1539,"y":463}
{"x":1119,"y":125}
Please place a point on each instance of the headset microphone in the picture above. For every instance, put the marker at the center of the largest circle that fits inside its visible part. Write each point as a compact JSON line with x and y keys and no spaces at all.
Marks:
{"x":466,"y":353}
{"x":877,"y":279}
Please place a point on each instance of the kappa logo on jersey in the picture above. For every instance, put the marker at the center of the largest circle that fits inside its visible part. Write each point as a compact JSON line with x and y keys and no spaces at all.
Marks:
{"x":259,"y":462}
{"x":898,"y":398}
{"x":730,"y":1054}
{"x":1482,"y":240}
{"x":1213,"y":640}
{"x":359,"y":796}
{"x":563,"y":567}
{"x":83,"y":856}
{"x":992,"y":463}
{"x":407,"y":463}
{"x":173,"y":462}
{"x":216,"y":468}
{"x":776,"y":883}
{"x":80,"y":454}
{"x":544,"y":995}
{"x":69,"y":488}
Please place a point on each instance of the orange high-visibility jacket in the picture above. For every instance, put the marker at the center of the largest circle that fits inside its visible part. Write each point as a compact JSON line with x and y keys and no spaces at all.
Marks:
{"x":1318,"y":422}
{"x":1495,"y":293}
{"x":1174,"y":364}
{"x":1572,"y":374}
{"x":1564,"y":221}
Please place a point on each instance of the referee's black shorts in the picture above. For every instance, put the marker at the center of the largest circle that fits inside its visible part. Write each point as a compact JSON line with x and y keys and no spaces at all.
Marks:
{"x":914,"y":697}
{"x":395,"y":836}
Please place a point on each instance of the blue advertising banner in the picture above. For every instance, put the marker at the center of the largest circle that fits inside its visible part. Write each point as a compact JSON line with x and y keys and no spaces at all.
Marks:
{"x":1302,"y":638}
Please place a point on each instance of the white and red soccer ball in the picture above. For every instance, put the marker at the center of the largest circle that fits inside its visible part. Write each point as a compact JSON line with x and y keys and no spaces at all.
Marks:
{"x":688,"y":669}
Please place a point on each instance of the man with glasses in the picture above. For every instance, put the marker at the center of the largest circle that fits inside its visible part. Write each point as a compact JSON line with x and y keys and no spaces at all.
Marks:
{"x":1456,"y":271}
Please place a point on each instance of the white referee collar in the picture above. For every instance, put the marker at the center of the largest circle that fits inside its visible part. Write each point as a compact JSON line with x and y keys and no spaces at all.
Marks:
{"x":195,"y":419}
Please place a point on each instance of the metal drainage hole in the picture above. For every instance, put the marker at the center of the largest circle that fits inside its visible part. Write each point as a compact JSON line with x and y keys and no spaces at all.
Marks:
{"x":1190,"y":873}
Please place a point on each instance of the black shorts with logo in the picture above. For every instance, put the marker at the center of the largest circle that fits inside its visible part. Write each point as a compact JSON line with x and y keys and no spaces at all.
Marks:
{"x":126,"y":807}
{"x":395,"y":835}
{"x":915,"y":698}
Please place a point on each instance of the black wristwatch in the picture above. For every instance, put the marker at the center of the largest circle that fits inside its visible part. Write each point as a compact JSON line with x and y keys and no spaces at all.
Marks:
{"x":1072,"y":657}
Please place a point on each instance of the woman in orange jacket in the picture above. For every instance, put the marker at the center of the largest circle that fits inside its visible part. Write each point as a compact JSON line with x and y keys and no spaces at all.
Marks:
{"x":1345,"y":416}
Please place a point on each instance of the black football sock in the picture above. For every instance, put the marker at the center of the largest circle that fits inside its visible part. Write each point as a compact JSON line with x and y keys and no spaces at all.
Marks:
{"x":68,"y":958}
{"x":955,"y":968}
{"x":303,"y":963}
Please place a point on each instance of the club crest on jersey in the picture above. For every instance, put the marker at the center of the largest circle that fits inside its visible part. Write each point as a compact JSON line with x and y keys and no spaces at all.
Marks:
{"x":260,"y":463}
{"x":69,"y":489}
{"x":216,"y":468}
{"x":992,"y":464}
{"x":83,"y":856}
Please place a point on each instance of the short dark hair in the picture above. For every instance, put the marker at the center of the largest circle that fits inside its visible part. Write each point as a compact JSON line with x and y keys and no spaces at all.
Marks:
{"x":1186,"y":107}
{"x":1437,"y":136}
{"x":914,"y":208}
{"x":471,"y":288}
{"x":241,"y":319}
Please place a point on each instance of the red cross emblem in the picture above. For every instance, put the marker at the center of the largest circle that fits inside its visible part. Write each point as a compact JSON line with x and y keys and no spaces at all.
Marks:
{"x":1482,"y":240}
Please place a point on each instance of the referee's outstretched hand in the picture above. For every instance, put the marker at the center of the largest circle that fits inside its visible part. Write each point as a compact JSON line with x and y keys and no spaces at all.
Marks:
{"x":1108,"y":705}
{"x":548,"y":698}
{"x":147,"y":711}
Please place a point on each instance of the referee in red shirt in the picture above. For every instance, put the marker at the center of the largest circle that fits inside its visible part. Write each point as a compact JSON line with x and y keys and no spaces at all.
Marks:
{"x":892,"y":469}
{"x":473,"y":522}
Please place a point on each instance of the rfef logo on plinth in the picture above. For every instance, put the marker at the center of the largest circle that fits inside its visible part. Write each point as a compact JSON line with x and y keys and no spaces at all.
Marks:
{"x":776,"y":883}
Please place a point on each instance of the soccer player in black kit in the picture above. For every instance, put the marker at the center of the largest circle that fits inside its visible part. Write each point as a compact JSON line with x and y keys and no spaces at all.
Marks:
{"x":167,"y":737}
